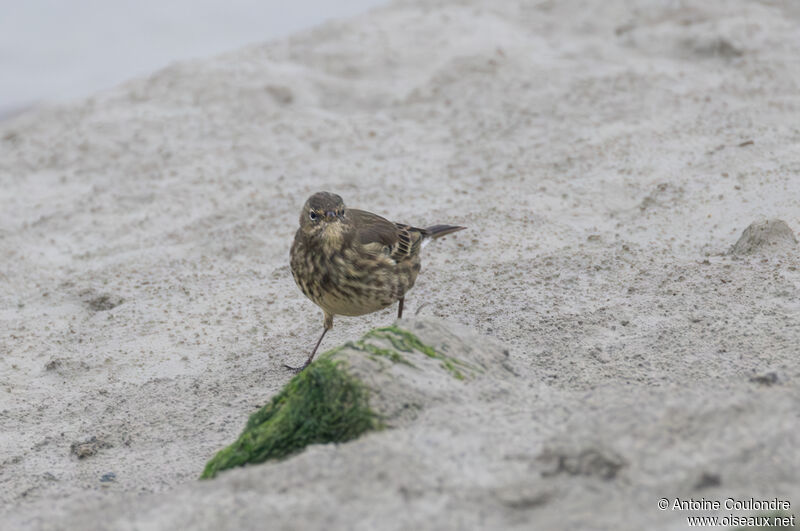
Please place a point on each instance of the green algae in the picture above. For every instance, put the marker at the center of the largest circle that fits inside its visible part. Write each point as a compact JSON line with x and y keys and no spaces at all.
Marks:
{"x":375,"y":352}
{"x":405,"y":341}
{"x":322,"y":404}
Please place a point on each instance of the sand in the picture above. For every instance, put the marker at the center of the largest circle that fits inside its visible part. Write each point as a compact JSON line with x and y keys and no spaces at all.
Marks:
{"x":606,"y":158}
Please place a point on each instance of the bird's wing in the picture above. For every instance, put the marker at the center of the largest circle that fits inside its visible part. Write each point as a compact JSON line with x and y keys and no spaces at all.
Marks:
{"x":378,"y":235}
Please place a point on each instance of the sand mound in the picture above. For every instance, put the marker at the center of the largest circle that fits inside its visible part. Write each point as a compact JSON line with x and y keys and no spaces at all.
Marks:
{"x":771,"y":236}
{"x":382,"y":381}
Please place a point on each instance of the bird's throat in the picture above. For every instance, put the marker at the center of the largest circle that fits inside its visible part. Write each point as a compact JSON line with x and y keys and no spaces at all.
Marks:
{"x":332,"y":237}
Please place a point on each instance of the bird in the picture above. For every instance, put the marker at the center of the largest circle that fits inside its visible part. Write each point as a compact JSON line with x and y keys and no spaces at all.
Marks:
{"x":352,"y":262}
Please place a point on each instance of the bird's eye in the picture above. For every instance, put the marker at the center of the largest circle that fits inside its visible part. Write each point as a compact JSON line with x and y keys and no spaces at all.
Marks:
{"x":313,"y":216}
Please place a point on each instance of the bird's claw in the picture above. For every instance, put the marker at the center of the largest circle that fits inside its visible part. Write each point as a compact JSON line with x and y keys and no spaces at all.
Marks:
{"x":296,"y":370}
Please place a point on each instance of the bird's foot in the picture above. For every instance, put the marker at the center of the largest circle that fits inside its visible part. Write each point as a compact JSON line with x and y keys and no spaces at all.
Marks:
{"x":296,"y":370}
{"x":419,"y":308}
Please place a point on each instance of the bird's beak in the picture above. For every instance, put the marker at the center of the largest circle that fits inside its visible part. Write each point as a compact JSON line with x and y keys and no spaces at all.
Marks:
{"x":330,"y":215}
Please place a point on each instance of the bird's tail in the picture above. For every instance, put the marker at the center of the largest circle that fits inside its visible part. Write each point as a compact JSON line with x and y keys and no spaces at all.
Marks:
{"x":437,"y":231}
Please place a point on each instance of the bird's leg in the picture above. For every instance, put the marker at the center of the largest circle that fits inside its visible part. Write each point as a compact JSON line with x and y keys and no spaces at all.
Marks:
{"x":400,"y":308}
{"x":328,"y":326}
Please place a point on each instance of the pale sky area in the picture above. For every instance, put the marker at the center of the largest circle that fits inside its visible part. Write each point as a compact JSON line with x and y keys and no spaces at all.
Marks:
{"x":57,"y":50}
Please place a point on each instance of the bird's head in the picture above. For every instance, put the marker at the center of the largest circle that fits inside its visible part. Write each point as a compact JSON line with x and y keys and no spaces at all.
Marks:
{"x":322,"y":212}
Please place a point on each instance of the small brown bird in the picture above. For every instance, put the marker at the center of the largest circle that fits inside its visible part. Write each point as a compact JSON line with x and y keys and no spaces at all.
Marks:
{"x":352,"y":262}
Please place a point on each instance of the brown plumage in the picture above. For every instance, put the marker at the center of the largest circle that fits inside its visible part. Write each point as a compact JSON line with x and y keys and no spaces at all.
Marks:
{"x":353,"y":262}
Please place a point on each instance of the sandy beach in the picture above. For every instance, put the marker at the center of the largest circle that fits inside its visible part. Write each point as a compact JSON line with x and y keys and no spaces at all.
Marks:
{"x":606,"y":158}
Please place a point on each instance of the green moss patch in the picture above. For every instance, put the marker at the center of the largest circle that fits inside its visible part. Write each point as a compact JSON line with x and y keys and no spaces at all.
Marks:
{"x":405,"y":341}
{"x":376,"y":352}
{"x":322,"y":404}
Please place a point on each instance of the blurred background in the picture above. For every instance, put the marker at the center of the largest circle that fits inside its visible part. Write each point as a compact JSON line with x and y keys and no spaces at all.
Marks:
{"x":56,"y":50}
